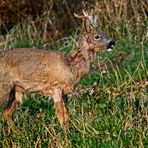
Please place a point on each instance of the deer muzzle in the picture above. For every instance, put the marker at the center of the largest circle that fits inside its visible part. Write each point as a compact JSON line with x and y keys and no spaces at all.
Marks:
{"x":111,"y":45}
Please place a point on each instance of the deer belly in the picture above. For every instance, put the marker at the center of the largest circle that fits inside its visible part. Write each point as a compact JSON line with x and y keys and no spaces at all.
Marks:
{"x":45,"y":88}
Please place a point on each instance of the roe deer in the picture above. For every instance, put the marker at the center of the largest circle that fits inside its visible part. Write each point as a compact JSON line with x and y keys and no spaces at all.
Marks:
{"x":49,"y":73}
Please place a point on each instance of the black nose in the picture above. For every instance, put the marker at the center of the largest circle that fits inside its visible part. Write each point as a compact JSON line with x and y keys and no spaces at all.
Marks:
{"x":111,"y":44}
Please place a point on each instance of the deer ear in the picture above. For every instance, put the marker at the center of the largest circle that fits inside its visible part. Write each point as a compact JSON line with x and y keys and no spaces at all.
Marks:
{"x":93,"y":18}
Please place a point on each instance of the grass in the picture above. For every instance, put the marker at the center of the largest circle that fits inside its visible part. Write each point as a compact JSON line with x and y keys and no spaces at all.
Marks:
{"x":109,"y":107}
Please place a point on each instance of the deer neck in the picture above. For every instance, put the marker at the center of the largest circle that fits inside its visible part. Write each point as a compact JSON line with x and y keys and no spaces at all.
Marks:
{"x":82,"y":58}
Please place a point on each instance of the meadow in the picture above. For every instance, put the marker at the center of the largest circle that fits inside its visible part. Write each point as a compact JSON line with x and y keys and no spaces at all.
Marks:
{"x":108,"y":109}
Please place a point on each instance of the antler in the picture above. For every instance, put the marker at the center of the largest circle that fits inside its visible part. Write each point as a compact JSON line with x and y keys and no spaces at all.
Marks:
{"x":84,"y":16}
{"x":88,"y":20}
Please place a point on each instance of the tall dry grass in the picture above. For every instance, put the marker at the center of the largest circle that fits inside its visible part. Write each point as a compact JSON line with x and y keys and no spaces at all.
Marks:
{"x":119,"y":18}
{"x":124,"y":17}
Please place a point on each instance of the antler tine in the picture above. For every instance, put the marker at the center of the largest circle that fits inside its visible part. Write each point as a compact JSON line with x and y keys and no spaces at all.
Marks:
{"x":78,"y":16}
{"x":85,"y":13}
{"x":81,"y":16}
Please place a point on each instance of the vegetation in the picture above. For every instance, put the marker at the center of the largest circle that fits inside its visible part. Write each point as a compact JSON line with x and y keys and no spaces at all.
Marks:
{"x":109,"y":108}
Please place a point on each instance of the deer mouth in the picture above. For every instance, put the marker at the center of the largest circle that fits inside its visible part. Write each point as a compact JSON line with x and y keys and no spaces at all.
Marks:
{"x":111,"y":45}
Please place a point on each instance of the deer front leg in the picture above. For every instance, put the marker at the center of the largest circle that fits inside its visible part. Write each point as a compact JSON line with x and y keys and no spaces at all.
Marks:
{"x":61,"y":110}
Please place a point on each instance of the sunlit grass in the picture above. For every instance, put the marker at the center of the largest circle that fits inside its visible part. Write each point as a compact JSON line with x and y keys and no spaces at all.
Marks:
{"x":108,"y":108}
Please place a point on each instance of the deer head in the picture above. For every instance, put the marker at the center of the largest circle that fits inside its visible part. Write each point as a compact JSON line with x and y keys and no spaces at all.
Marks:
{"x":93,"y":36}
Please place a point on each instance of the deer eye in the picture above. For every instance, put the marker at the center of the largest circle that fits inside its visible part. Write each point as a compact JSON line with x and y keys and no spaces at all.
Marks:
{"x":97,"y":37}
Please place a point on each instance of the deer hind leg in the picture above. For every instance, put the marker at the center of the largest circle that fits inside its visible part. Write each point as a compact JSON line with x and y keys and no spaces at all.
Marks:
{"x":14,"y":99}
{"x":61,"y":110}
